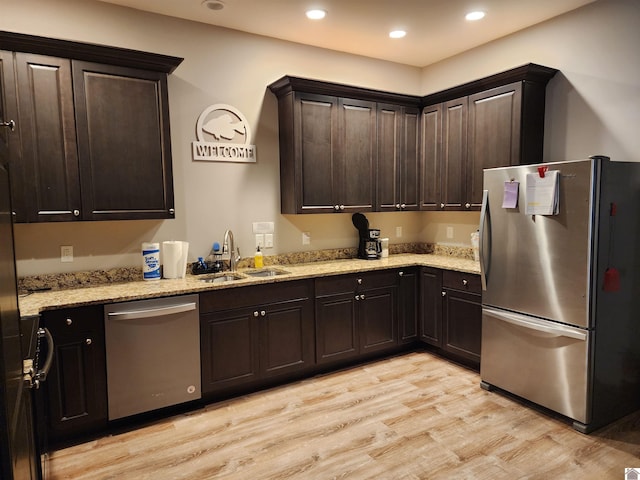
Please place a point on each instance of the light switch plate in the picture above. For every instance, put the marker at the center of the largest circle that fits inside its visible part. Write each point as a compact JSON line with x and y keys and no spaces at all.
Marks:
{"x":260,"y":240}
{"x":268,"y":240}
{"x":262,"y":227}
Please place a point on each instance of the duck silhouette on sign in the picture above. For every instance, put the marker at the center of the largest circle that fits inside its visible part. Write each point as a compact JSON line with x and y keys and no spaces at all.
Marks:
{"x":223,"y":127}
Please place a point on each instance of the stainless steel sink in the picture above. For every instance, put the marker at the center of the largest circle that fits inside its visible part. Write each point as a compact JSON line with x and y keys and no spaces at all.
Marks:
{"x":265,"y":272}
{"x":222,"y":278}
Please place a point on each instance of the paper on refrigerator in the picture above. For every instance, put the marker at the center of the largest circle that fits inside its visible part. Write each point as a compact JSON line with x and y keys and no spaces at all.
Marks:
{"x":543,"y":193}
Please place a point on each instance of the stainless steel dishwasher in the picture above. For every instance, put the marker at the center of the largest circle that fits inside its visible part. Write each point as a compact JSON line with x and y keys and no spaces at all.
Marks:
{"x":153,"y":354}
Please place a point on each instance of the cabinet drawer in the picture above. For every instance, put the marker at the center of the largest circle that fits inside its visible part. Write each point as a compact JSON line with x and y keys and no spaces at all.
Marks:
{"x":254,"y":295}
{"x":74,"y":321}
{"x":355,"y":282}
{"x":468,"y":282}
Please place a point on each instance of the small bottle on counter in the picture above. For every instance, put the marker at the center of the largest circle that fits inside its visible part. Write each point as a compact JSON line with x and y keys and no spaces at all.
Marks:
{"x":258,"y":261}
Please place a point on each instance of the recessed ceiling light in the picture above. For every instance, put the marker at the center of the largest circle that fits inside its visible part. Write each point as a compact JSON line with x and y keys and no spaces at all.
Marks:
{"x":397,"y":33}
{"x":473,"y":16}
{"x":316,"y":14}
{"x":213,"y":4}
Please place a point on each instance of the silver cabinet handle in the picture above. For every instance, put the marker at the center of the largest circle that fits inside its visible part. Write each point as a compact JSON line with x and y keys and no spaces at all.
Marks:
{"x":357,"y":297}
{"x":172,"y":211}
{"x":444,"y":294}
{"x":359,"y":281}
{"x":467,"y":205}
{"x":341,"y":207}
{"x":362,"y":297}
{"x":263,"y":313}
{"x":403,"y":205}
{"x":256,"y":314}
{"x":11,"y":124}
{"x":336,"y":207}
{"x":88,"y":341}
{"x":398,"y":206}
{"x":465,"y":282}
{"x":400,"y":273}
{"x":69,"y":321}
{"x":442,"y":205}
{"x":76,"y":213}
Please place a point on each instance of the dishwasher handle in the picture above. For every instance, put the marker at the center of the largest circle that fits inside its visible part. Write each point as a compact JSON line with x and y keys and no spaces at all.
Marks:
{"x":152,"y":312}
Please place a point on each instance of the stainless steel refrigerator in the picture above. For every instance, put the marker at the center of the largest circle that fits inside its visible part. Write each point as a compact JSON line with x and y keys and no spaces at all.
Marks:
{"x":561,"y":290}
{"x":19,"y":453}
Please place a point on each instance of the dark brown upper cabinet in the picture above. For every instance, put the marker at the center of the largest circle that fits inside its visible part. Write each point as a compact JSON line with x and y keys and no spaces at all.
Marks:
{"x":398,"y":158}
{"x":343,"y":148}
{"x":494,"y":122}
{"x":92,"y":140}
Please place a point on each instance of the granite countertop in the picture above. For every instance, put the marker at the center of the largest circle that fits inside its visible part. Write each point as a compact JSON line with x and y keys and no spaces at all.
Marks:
{"x":34,"y":303}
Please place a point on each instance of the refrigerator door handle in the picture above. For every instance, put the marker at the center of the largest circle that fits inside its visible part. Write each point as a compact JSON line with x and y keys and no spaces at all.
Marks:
{"x":485,"y":223}
{"x":537,"y":325}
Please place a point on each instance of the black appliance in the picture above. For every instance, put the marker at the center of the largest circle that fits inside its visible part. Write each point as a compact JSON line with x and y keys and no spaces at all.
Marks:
{"x":369,"y":245}
{"x":19,"y":455}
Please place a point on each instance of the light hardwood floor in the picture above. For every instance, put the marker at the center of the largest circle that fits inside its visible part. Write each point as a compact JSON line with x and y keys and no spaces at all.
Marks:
{"x":414,"y":416}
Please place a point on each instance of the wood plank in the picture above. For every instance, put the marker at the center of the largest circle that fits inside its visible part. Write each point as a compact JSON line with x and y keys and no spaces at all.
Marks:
{"x":415,"y":416}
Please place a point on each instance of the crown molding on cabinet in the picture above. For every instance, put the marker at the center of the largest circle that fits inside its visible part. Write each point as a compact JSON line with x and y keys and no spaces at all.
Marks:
{"x":90,"y":52}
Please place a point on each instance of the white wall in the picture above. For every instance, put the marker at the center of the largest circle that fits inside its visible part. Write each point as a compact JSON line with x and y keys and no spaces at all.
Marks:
{"x":593,"y":103}
{"x":592,"y":108}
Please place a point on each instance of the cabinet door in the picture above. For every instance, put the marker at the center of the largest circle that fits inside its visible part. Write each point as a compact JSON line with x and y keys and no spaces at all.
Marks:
{"x":122,"y":117}
{"x":431,"y":306}
{"x":229,"y":349}
{"x":336,"y":337}
{"x":356,"y":154}
{"x":494,"y":135}
{"x":48,"y":138}
{"x":10,"y":150}
{"x":410,"y":159}
{"x":76,"y":387}
{"x":454,"y":153}
{"x":388,"y":157}
{"x":397,"y":184}
{"x":431,"y":158}
{"x":462,"y":319}
{"x":408,"y":305}
{"x":315,"y":119}
{"x":286,"y":337}
{"x":377,"y":319}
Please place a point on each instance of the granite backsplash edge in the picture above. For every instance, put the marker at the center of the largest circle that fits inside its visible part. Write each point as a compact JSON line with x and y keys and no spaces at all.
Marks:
{"x":61,"y":281}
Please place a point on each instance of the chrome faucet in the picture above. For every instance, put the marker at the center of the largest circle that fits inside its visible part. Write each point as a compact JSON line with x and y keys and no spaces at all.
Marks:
{"x":228,"y":246}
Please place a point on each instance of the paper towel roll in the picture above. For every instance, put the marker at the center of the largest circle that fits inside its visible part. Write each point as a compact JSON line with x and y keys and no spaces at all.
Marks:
{"x":174,"y":259}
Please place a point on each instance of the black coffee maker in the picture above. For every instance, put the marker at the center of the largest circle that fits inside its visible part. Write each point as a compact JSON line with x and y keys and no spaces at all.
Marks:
{"x":369,"y":246}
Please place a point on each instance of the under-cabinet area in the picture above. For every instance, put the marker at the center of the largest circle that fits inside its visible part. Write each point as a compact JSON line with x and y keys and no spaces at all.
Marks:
{"x":255,"y":336}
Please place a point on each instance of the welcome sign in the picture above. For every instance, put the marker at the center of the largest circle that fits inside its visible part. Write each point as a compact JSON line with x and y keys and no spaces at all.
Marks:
{"x":223,"y":135}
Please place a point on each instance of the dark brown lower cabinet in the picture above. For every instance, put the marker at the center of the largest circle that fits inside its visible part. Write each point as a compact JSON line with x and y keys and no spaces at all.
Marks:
{"x":462,"y":315}
{"x":356,"y":315}
{"x":75,"y":392}
{"x":451,"y":313}
{"x":408,"y":305}
{"x":251,"y":334}
{"x":431,"y":306}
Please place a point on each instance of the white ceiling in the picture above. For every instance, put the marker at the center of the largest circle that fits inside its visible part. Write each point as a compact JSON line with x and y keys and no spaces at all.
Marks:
{"x":436,"y":29}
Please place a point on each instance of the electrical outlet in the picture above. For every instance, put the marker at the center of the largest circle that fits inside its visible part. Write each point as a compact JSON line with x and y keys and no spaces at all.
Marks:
{"x":449,"y":232}
{"x":66,"y":253}
{"x":306,"y":238}
{"x":398,"y":232}
{"x":268,"y":240}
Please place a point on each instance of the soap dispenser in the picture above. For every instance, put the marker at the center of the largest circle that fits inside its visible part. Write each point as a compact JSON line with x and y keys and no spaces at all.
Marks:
{"x":258,"y":259}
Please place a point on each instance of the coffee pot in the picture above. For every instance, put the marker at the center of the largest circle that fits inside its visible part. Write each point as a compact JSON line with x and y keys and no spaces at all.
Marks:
{"x":369,"y":246}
